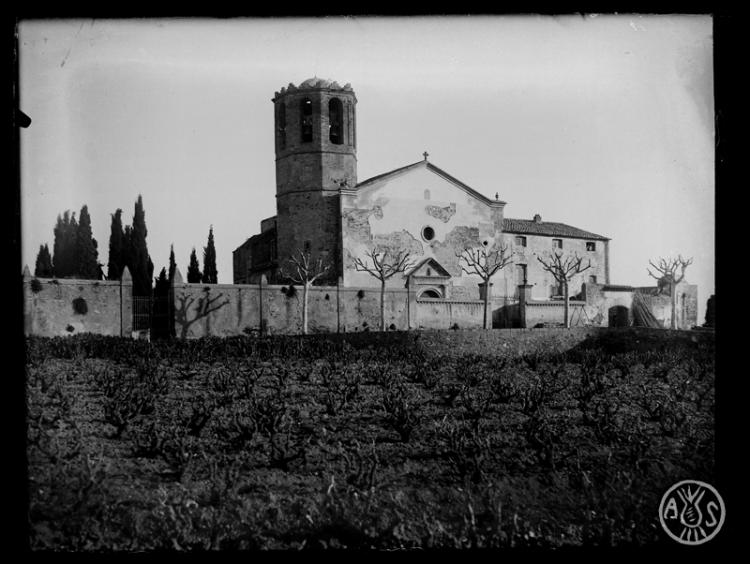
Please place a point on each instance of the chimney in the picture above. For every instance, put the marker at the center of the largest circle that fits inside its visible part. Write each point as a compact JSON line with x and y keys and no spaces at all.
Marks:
{"x":537,"y":218}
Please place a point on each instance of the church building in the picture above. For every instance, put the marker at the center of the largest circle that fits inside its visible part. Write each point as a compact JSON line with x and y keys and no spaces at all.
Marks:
{"x":322,"y":208}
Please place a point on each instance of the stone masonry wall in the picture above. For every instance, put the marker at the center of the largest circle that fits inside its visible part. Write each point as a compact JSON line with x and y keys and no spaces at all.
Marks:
{"x":553,"y":312}
{"x":229,"y":309}
{"x":49,"y":310}
{"x":393,"y":213}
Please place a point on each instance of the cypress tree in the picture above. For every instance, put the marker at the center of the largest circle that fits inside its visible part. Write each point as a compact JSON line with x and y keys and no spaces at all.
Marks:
{"x":142,"y":267}
{"x":172,"y":263}
{"x":86,"y":255}
{"x":57,"y":247}
{"x":71,"y":235}
{"x":194,"y":269}
{"x":127,"y":244}
{"x":116,"y":247}
{"x":161,"y":283}
{"x":64,"y":248}
{"x":209,"y":260}
{"x":43,"y":267}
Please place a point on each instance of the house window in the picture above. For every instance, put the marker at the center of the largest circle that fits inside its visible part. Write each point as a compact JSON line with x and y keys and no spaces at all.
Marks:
{"x":557,"y":243}
{"x":335,"y":121}
{"x":282,"y":125}
{"x":307,"y":246}
{"x":306,"y":123}
{"x":428,"y":233}
{"x":590,"y":246}
{"x":592,"y":279}
{"x":520,"y":241}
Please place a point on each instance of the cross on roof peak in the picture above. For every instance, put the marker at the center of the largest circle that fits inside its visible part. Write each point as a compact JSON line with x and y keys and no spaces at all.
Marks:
{"x":425,"y":155}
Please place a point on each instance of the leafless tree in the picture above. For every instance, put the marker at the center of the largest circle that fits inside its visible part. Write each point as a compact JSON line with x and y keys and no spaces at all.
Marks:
{"x":384,"y":265}
{"x":563,"y":268}
{"x":485,"y":262}
{"x":667,"y":268}
{"x":303,"y":270}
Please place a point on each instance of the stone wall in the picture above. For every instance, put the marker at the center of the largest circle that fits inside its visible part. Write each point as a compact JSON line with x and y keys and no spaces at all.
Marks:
{"x":605,"y":302}
{"x":49,"y":310}
{"x":393,"y":213}
{"x":233,"y":309}
{"x":553,"y":313}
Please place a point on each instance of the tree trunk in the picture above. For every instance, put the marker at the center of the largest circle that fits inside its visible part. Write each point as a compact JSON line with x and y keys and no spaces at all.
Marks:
{"x":673,"y":296}
{"x":304,"y":307}
{"x":382,"y":305}
{"x":486,"y":303}
{"x":566,"y":309}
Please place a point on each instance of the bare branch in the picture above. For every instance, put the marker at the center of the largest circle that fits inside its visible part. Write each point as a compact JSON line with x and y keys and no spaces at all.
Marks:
{"x":305,"y":272}
{"x":564,"y":270}
{"x":484,"y":263}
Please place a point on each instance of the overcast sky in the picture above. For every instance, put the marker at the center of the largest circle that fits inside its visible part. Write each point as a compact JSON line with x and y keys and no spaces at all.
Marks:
{"x":601,"y":122}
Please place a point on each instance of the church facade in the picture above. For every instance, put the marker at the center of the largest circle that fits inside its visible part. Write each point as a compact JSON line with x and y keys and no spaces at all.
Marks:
{"x":323,"y":209}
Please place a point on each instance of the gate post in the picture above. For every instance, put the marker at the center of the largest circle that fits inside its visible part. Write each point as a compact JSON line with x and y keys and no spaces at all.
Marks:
{"x":126,"y":303}
{"x":524,"y":291}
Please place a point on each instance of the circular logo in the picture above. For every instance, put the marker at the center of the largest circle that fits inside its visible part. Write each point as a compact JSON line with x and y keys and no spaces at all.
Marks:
{"x":692,"y":512}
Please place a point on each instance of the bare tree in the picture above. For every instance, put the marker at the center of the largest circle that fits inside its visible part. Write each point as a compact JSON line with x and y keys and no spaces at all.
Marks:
{"x":563,"y":270}
{"x":668,"y":269}
{"x":384,"y":265}
{"x":303,"y":270}
{"x":485,"y":263}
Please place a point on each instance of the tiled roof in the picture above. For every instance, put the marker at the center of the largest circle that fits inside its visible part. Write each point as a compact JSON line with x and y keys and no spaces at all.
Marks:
{"x":548,"y":228}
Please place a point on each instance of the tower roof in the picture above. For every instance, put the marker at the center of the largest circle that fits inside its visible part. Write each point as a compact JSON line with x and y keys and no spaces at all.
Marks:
{"x":314,"y":83}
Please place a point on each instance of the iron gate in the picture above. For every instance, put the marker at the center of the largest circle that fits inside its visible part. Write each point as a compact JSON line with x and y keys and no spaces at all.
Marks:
{"x":153,"y":314}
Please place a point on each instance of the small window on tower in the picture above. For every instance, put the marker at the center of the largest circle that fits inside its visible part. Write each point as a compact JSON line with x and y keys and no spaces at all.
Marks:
{"x":557,"y":243}
{"x":428,"y":233}
{"x":426,"y":194}
{"x":521,"y":241}
{"x":335,"y":121}
{"x":590,"y":246}
{"x":592,"y":279}
{"x":306,"y":120}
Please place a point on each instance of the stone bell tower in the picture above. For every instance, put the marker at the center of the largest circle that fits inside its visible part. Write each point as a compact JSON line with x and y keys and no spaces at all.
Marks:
{"x":316,"y":156}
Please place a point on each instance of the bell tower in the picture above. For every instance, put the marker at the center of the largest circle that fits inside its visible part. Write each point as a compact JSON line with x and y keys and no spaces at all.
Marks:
{"x":316,"y":156}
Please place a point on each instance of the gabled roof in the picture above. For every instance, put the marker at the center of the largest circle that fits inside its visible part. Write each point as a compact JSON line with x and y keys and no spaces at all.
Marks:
{"x":267,"y":235}
{"x":433,"y":263}
{"x":548,"y":228}
{"x":432,"y":168}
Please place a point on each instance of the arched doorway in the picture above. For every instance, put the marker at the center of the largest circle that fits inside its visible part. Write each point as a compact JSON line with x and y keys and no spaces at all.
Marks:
{"x":619,"y":316}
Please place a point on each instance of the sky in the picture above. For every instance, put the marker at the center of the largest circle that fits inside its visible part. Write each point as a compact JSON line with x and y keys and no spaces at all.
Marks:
{"x":602,"y":122}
